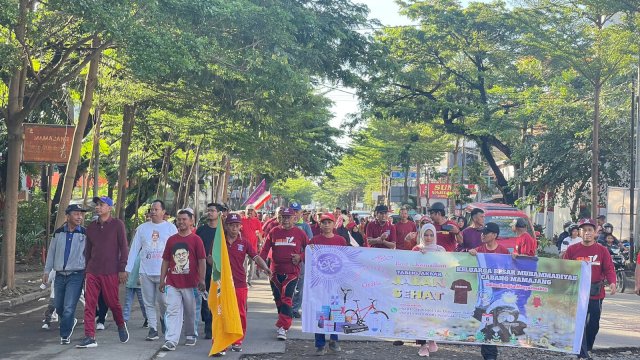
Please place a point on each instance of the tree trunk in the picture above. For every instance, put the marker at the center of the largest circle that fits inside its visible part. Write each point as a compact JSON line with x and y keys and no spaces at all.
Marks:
{"x":227,"y":176}
{"x":14,"y":148}
{"x":418,"y":196}
{"x":74,"y":157}
{"x":187,"y":187}
{"x":128,"y":120}
{"x":595,"y":149}
{"x":94,"y":163}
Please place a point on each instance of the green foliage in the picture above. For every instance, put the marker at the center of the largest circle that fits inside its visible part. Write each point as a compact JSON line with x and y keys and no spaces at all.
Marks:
{"x":298,"y":189}
{"x":31,"y":226}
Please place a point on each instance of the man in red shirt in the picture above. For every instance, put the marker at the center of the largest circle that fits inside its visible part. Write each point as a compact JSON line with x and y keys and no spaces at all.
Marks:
{"x":182,"y":275}
{"x":239,"y":248}
{"x":327,"y":237}
{"x":601,"y":269}
{"x":489,"y":245}
{"x":447,"y":231}
{"x":404,"y":227}
{"x":381,"y":233}
{"x":287,"y":243}
{"x":251,"y":230}
{"x":525,"y":243}
{"x":106,"y":252}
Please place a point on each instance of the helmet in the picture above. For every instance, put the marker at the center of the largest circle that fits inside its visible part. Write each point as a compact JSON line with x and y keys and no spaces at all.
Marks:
{"x":571,"y":227}
{"x":607,"y":228}
{"x":566,"y":225}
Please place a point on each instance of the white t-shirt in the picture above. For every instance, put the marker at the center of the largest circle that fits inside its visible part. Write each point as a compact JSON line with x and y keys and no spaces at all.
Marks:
{"x":568,"y":241}
{"x":149,"y":242}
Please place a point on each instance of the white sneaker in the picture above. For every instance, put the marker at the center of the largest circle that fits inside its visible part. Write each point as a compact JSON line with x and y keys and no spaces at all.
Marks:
{"x":282,"y":334}
{"x":99,"y":326}
{"x":45,"y":326}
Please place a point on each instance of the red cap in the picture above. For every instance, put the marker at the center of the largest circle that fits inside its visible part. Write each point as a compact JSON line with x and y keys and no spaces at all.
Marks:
{"x":327,"y":216}
{"x":587,"y":221}
{"x":233,"y":218}
{"x":351,"y":225}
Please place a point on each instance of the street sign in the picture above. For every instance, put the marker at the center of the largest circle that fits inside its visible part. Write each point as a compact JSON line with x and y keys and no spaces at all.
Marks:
{"x":396,"y":174}
{"x":47,"y":143}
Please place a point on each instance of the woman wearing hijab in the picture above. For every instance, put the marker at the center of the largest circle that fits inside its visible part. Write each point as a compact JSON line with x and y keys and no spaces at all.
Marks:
{"x":427,"y":244}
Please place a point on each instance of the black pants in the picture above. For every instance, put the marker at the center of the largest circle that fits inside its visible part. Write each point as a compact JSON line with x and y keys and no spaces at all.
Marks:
{"x":489,"y":351}
{"x":591,"y":326}
{"x":205,"y":313}
{"x":101,"y":313}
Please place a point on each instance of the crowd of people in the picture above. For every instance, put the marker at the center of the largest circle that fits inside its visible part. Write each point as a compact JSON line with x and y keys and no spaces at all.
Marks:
{"x":168,"y":266}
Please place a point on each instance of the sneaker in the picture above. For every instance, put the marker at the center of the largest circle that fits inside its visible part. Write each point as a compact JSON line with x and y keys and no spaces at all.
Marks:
{"x":75,"y":322}
{"x":236,"y":347}
{"x":398,"y":343}
{"x":45,"y":326}
{"x":123,"y":333}
{"x":334,"y":346}
{"x":320,"y":351}
{"x":282,"y":334}
{"x":145,"y":324}
{"x":424,"y":350}
{"x":153,"y":335}
{"x":65,"y":341}
{"x":54,"y":317}
{"x":433,"y":347}
{"x":87,"y":342}
{"x":221,"y":353}
{"x":168,"y":346}
{"x":190,"y":342}
{"x":99,"y":326}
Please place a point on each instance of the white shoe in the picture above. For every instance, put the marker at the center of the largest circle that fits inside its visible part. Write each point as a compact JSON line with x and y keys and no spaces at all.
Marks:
{"x":45,"y":326}
{"x":282,"y":334}
{"x":99,"y":326}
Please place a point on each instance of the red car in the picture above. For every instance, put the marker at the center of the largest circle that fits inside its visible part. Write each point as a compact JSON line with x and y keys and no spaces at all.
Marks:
{"x":503,"y":215}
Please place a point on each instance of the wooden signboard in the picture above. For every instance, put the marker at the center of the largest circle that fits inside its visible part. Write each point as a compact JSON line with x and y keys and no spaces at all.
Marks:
{"x":49,"y":144}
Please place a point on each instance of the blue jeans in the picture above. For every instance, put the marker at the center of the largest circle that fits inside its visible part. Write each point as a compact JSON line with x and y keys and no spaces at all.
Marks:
{"x":128,"y":302}
{"x":67,"y":290}
{"x":321,"y":339}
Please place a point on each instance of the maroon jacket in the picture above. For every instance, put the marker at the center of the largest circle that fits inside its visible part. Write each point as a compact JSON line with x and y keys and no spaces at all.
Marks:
{"x":107,"y":249}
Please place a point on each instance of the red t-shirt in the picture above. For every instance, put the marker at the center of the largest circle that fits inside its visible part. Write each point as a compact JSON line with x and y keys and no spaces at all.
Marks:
{"x":374,"y":230}
{"x":499,"y":250}
{"x":526,"y":245}
{"x":336,"y":240}
{"x":284,"y":243}
{"x":237,"y":250}
{"x":249,"y":227}
{"x":446,"y":239}
{"x":402,"y":229}
{"x":270,"y":225}
{"x":183,"y":254}
{"x":601,"y":264}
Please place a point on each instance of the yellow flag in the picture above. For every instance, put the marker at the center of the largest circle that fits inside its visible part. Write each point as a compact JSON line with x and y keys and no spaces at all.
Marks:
{"x":226,"y":326}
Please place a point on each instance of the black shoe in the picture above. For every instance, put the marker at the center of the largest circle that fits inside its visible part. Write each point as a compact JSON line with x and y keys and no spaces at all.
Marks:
{"x":87,"y":343}
{"x":398,"y":343}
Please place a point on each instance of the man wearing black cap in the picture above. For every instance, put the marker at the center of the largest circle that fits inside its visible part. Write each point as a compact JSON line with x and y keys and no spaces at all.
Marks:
{"x":490,"y":245}
{"x":381,"y":233}
{"x":447,"y":231}
{"x":602,"y":270}
{"x":106,"y":253}
{"x":66,"y":257}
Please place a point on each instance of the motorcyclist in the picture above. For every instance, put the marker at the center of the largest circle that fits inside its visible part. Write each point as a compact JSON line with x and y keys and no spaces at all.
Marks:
{"x":607,"y":229}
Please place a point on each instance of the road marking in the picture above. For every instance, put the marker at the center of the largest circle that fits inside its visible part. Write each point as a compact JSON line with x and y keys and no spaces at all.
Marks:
{"x":8,"y":314}
{"x":36,"y":309}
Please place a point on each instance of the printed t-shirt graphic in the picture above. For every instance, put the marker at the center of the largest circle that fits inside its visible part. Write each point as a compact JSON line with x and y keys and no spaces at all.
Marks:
{"x":461,"y":290}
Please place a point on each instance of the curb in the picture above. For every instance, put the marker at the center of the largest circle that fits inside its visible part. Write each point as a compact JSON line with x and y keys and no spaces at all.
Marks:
{"x":10,"y":303}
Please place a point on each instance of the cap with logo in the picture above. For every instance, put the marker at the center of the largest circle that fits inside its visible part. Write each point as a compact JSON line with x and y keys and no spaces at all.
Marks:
{"x":233,"y":218}
{"x":287,"y":212}
{"x":104,"y":199}
{"x":74,"y":207}
{"x":491,"y":227}
{"x":250,"y":207}
{"x":296,"y":206}
{"x":586,"y":222}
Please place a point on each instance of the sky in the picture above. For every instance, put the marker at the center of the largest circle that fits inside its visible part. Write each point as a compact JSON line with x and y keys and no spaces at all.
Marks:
{"x":345,"y":102}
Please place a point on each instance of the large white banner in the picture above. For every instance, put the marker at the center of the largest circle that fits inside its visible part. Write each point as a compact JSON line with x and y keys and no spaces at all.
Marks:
{"x":446,"y":297}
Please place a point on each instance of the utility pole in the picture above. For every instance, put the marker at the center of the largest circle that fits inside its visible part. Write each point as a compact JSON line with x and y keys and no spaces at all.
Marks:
{"x":632,"y":183}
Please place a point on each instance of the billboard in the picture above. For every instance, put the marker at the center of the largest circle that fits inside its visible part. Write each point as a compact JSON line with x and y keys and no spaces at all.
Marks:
{"x":47,"y":143}
{"x":441,"y":191}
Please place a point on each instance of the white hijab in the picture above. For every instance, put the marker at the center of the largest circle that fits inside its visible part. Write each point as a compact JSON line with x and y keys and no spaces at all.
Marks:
{"x":423,"y":230}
